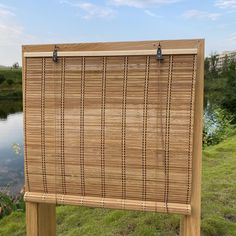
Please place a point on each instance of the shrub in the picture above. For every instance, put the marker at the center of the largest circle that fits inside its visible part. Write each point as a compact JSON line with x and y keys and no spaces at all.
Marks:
{"x":9,"y":203}
{"x":2,"y":79}
{"x":17,"y":94}
{"x":10,"y":81}
{"x":217,"y":126}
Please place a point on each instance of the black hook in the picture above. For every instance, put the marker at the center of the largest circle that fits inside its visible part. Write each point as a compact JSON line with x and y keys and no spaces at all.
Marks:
{"x":55,"y":56}
{"x":159,"y":53}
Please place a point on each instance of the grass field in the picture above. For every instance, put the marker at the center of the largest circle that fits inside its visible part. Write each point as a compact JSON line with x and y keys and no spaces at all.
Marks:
{"x":218,"y":207}
{"x":10,"y":84}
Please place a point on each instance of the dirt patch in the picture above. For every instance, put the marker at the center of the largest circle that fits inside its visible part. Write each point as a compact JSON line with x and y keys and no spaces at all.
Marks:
{"x":129,"y":229}
{"x":231,"y":217}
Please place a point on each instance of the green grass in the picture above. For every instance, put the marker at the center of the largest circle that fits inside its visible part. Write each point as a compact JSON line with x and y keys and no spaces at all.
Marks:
{"x":219,"y":189}
{"x":13,"y":224}
{"x":11,"y":87}
{"x":218,"y":207}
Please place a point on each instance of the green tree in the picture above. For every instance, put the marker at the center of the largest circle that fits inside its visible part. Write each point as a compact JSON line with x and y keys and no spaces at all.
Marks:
{"x":2,"y":78}
{"x":229,"y":76}
{"x":220,"y":85}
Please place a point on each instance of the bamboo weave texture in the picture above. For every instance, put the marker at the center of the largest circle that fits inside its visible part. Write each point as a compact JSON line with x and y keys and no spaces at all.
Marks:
{"x":110,"y":131}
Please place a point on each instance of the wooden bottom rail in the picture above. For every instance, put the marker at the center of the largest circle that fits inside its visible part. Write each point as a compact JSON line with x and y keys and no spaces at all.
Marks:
{"x":40,"y":219}
{"x":177,"y":208}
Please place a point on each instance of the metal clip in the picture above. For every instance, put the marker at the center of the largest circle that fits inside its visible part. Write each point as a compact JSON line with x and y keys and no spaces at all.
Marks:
{"x":55,"y":56}
{"x":159,"y":53}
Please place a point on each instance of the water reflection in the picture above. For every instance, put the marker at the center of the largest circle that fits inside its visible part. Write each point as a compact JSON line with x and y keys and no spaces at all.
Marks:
{"x":11,"y":146}
{"x":8,"y":107}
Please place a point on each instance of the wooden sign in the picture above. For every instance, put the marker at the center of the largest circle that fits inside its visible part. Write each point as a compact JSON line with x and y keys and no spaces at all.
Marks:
{"x":114,"y":125}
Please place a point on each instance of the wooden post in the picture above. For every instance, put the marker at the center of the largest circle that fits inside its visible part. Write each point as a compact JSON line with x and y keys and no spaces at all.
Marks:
{"x":40,"y":219}
{"x":191,"y":225}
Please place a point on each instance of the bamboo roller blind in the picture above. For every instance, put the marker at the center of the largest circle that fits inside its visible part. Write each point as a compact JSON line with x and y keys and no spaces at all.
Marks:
{"x":110,"y":131}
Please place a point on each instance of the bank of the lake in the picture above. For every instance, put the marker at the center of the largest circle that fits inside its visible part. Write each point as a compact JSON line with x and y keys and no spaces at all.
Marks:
{"x":10,"y":84}
{"x":8,"y":107}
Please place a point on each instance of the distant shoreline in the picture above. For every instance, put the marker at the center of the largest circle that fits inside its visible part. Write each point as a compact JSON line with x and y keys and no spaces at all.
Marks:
{"x":10,"y":83}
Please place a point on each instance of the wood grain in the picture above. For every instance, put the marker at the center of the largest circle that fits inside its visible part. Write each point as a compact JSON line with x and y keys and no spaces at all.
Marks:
{"x":184,"y":51}
{"x":40,"y":219}
{"x":110,"y":46}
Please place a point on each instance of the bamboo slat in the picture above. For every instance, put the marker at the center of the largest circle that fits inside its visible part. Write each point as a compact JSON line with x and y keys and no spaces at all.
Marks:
{"x":110,"y":128}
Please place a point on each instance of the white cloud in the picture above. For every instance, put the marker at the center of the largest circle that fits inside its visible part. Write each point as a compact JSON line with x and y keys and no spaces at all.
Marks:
{"x":226,"y":4}
{"x":12,"y":36}
{"x":150,"y":13}
{"x":91,"y":10}
{"x":10,"y":30}
{"x":196,"y":14}
{"x":141,"y":3}
{"x":5,"y":12}
{"x":233,"y":38}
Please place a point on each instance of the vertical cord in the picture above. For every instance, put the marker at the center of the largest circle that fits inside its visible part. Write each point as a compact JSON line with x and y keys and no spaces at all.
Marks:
{"x":159,"y":97}
{"x":63,"y":125}
{"x":161,"y":110}
{"x":43,"y":151}
{"x":55,"y":128}
{"x":82,"y":93}
{"x":190,"y":129}
{"x":25,"y":126}
{"x":162,"y":132}
{"x":167,"y":134}
{"x":144,"y":138}
{"x":103,"y":113}
{"x":123,"y":139}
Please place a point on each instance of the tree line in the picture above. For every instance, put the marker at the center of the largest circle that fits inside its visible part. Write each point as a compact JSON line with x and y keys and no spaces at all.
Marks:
{"x":219,"y":99}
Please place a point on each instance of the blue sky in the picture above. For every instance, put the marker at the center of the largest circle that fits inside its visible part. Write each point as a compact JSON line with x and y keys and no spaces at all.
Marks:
{"x":74,"y":21}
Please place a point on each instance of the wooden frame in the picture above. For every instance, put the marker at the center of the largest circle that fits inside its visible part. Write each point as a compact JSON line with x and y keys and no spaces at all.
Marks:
{"x":39,"y":213}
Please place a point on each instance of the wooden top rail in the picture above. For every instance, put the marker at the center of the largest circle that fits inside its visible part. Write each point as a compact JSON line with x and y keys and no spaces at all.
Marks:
{"x":188,"y":51}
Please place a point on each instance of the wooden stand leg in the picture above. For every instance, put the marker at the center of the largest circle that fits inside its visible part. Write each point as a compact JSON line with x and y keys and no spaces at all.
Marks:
{"x":40,"y":219}
{"x":191,"y":225}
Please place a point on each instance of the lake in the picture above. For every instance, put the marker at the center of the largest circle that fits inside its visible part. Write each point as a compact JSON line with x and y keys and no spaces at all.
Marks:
{"x":11,"y":146}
